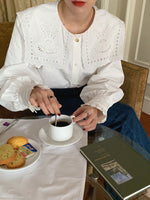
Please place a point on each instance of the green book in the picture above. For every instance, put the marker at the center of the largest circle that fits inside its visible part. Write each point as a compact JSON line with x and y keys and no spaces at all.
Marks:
{"x":125,"y":170}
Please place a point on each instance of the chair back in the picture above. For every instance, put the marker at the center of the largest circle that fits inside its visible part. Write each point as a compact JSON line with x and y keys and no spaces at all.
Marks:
{"x":134,"y":86}
{"x":5,"y":36}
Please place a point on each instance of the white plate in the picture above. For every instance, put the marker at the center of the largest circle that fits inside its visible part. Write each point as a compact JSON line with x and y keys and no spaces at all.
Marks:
{"x":77,"y":135}
{"x":29,"y":161}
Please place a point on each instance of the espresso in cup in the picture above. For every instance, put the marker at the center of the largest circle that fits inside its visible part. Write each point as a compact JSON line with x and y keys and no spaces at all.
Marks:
{"x":61,"y":123}
{"x":64,"y":128}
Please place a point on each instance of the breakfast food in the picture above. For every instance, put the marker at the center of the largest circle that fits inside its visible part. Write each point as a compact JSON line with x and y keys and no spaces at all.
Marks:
{"x":27,"y":150}
{"x":7,"y":154}
{"x":18,"y":162}
{"x":14,"y":153}
{"x":17,"y":141}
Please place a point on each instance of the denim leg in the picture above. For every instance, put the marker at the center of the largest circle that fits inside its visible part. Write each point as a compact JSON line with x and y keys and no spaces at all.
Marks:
{"x":122,"y":118}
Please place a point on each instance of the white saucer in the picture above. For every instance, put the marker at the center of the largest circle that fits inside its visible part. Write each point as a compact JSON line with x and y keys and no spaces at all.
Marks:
{"x":77,"y":135}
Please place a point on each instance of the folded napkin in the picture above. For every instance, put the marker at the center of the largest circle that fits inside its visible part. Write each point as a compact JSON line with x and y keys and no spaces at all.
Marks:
{"x":58,"y":174}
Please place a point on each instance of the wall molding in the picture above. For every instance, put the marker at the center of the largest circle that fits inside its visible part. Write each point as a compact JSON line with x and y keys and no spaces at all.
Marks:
{"x":146,"y":105}
{"x":105,"y":4}
{"x":129,"y":25}
{"x":139,"y":35}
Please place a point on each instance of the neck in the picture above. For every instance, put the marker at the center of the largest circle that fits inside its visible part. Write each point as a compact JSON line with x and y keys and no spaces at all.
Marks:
{"x":75,"y":23}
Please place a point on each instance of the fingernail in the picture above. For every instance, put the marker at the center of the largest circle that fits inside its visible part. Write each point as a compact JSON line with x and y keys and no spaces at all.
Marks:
{"x":84,"y":129}
{"x":59,"y":114}
{"x":48,"y":115}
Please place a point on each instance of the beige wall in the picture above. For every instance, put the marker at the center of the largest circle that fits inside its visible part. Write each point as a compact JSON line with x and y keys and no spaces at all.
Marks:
{"x":8,"y":8}
{"x":98,"y":3}
{"x":139,"y":47}
{"x":136,"y":14}
{"x":118,"y":8}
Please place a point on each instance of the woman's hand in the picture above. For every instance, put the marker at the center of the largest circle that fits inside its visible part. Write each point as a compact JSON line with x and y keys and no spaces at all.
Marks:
{"x":45,"y":99}
{"x":87,"y":117}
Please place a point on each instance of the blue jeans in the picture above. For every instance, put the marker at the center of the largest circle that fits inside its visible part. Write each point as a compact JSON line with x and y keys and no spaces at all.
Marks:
{"x":120,"y":117}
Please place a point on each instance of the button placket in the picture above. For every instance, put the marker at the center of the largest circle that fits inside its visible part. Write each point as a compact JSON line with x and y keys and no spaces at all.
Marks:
{"x":76,"y":59}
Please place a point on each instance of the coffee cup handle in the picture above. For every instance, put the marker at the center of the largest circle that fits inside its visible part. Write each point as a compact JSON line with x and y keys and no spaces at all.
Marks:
{"x":73,"y":116}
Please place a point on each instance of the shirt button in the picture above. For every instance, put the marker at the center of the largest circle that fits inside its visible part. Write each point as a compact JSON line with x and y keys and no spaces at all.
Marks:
{"x":77,"y":39}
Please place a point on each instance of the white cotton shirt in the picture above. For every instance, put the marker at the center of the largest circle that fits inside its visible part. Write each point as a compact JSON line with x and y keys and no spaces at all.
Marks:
{"x":43,"y":52}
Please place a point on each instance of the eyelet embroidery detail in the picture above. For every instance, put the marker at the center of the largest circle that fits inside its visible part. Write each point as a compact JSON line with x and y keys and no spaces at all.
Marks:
{"x":107,"y":45}
{"x":53,"y":45}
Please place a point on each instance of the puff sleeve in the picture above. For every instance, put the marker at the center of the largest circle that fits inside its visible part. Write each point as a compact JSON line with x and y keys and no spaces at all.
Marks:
{"x":103,"y":87}
{"x":17,"y":77}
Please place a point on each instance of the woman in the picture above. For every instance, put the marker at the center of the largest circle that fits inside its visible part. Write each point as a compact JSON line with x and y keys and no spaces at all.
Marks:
{"x":65,"y":57}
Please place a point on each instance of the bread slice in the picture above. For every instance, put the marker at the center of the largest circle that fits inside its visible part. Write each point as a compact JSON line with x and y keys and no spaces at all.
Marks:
{"x":17,"y":141}
{"x":7,"y":154}
{"x":18,"y":162}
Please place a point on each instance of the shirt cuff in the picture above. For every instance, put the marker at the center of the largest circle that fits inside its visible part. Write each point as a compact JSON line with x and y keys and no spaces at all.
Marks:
{"x":27,"y":96}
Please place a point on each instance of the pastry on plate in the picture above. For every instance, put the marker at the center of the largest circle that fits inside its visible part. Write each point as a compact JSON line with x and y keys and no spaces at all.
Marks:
{"x":17,"y":141}
{"x":18,"y":162}
{"x":7,"y":154}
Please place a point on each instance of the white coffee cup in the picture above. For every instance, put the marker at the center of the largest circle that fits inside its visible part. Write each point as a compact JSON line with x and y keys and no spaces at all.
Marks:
{"x":63,"y":130}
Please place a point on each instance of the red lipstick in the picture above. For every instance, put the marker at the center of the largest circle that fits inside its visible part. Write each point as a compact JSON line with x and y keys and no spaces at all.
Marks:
{"x":78,"y":3}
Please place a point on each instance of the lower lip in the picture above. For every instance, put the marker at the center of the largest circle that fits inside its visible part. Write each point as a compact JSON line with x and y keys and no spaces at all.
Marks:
{"x":78,"y":3}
